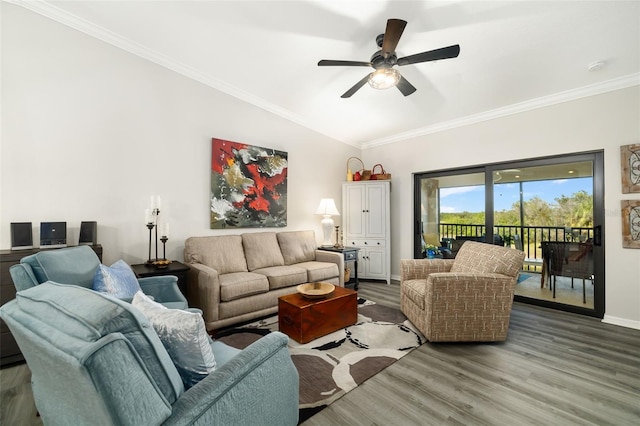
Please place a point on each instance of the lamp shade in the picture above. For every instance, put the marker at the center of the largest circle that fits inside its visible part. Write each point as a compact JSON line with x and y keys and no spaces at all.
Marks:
{"x":327,"y":207}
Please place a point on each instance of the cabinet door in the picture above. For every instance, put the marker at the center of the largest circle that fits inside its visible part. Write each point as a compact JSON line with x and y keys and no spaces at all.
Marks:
{"x":376,"y":263}
{"x":376,"y":211}
{"x":354,"y":214}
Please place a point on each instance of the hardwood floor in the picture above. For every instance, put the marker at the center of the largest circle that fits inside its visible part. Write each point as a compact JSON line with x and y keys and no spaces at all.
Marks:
{"x":555,"y":368}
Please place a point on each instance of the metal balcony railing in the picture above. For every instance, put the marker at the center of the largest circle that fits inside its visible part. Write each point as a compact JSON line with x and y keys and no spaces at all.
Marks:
{"x":531,"y":236}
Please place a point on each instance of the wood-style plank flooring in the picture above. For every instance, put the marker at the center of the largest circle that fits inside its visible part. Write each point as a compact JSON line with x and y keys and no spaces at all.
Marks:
{"x":555,"y":368}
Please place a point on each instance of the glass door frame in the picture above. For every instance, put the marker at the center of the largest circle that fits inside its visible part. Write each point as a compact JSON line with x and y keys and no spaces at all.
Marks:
{"x":596,"y":157}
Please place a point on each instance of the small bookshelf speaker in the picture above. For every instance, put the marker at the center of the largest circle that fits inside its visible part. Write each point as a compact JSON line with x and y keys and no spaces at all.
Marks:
{"x":21,"y":236}
{"x":88,"y":233}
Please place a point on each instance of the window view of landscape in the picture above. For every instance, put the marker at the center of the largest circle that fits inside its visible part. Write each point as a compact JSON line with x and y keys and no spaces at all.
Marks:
{"x":545,"y":211}
{"x":550,"y":203}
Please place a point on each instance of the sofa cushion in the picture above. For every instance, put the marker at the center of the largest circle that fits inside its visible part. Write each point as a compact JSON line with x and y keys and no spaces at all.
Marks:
{"x":297,"y":246}
{"x":118,"y":280}
{"x":88,"y":315}
{"x":482,"y":258}
{"x":242,"y":284}
{"x":224,"y":253}
{"x":73,"y":265}
{"x":261,"y":250}
{"x":319,"y":271}
{"x":283,"y":276}
{"x":183,"y":335}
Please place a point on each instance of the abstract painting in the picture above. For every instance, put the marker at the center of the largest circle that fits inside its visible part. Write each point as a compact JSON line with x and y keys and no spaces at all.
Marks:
{"x":248,"y":186}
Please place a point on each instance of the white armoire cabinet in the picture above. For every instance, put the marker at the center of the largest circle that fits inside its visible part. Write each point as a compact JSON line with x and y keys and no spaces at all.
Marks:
{"x":366,"y":225}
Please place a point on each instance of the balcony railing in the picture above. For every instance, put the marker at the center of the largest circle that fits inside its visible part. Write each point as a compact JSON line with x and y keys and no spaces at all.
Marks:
{"x":531,"y":236}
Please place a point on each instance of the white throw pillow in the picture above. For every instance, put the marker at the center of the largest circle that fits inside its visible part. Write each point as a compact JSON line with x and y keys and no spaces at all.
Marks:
{"x":183,"y":335}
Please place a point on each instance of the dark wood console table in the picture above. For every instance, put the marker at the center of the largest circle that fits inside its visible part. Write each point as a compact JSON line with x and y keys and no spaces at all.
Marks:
{"x":176,"y":268}
{"x":350,"y":255}
{"x":9,"y":351}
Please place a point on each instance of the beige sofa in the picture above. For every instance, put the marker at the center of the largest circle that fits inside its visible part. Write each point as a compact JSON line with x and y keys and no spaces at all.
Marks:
{"x":235,"y":278}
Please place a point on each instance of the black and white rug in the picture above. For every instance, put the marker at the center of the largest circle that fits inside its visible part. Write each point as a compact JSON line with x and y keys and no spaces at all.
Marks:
{"x":332,"y":365}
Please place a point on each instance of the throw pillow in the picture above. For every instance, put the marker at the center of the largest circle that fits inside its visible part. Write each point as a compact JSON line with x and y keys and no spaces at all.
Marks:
{"x":117,"y":280}
{"x":183,"y":335}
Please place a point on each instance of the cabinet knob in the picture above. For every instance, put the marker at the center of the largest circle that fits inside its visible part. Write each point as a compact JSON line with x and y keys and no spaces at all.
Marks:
{"x":378,"y":242}
{"x":365,"y":243}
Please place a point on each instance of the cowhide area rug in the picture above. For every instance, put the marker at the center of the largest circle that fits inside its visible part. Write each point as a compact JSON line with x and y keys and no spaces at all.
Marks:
{"x":332,"y":365}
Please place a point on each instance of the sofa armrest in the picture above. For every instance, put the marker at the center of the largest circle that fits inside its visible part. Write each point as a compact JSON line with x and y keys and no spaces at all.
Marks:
{"x":204,"y":291}
{"x":413,"y":269}
{"x":22,"y":276}
{"x":332,"y":257}
{"x":163,"y":289}
{"x":260,"y":385}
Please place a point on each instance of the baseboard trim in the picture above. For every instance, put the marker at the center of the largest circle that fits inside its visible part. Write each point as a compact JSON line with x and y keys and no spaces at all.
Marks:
{"x":621,"y":322}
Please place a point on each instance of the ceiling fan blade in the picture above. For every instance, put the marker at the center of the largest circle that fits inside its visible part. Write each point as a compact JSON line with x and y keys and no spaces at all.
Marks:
{"x":392,"y":35}
{"x":331,"y":63}
{"x":405,"y":87}
{"x":431,"y":55}
{"x":356,"y":87}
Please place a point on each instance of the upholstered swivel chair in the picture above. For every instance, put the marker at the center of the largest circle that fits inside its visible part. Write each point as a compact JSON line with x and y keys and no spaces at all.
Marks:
{"x":466,"y":299}
{"x":77,"y":265}
{"x":96,"y":360}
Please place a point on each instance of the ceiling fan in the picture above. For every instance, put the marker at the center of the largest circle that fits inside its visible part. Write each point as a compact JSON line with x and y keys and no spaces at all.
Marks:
{"x":385,"y":59}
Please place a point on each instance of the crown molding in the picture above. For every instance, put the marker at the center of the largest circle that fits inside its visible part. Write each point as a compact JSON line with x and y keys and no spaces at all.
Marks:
{"x":545,"y":101}
{"x":48,"y":10}
{"x":51,"y":11}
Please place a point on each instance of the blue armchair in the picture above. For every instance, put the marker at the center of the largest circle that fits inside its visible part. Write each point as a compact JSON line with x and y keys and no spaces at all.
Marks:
{"x":95,"y":359}
{"x":77,"y":265}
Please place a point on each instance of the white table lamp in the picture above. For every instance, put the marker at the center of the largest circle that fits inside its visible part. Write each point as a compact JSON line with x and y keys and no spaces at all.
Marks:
{"x":327,"y":208}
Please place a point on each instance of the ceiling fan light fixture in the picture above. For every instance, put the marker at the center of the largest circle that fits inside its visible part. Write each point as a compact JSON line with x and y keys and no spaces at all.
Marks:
{"x":384,"y":78}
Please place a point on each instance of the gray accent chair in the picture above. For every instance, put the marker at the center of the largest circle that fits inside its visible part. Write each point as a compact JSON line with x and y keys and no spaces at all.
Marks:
{"x":77,"y":265}
{"x":96,"y":360}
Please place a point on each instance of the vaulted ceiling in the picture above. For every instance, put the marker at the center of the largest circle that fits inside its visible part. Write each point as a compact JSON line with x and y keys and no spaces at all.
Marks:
{"x":515,"y":55}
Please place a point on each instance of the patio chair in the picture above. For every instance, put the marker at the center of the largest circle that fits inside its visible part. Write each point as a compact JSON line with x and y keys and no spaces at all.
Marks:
{"x":528,"y":261}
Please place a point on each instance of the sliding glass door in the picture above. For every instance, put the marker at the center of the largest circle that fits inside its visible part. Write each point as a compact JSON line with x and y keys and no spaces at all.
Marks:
{"x":551,"y":208}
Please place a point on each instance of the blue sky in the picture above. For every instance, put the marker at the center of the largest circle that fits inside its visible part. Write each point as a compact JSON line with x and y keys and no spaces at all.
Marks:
{"x":471,"y":198}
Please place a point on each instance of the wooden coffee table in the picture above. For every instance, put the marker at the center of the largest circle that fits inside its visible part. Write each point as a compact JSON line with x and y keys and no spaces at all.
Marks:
{"x":305,"y":319}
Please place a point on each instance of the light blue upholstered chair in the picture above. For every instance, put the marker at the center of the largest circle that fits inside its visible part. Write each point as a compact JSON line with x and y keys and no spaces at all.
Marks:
{"x":96,"y":360}
{"x":77,"y":265}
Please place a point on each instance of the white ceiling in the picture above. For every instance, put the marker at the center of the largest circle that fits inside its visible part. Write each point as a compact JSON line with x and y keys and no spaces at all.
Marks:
{"x":515,"y":55}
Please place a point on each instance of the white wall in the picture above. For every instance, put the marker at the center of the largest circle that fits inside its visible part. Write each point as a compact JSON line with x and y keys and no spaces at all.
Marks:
{"x":598,"y":122}
{"x":90,"y":132}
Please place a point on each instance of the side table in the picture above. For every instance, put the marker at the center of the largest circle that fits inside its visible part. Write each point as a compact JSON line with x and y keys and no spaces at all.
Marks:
{"x":350,"y":255}
{"x":176,"y":268}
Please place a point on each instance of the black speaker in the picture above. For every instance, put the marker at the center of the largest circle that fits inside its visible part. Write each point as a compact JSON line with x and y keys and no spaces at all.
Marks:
{"x":89,"y":233}
{"x":21,"y":236}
